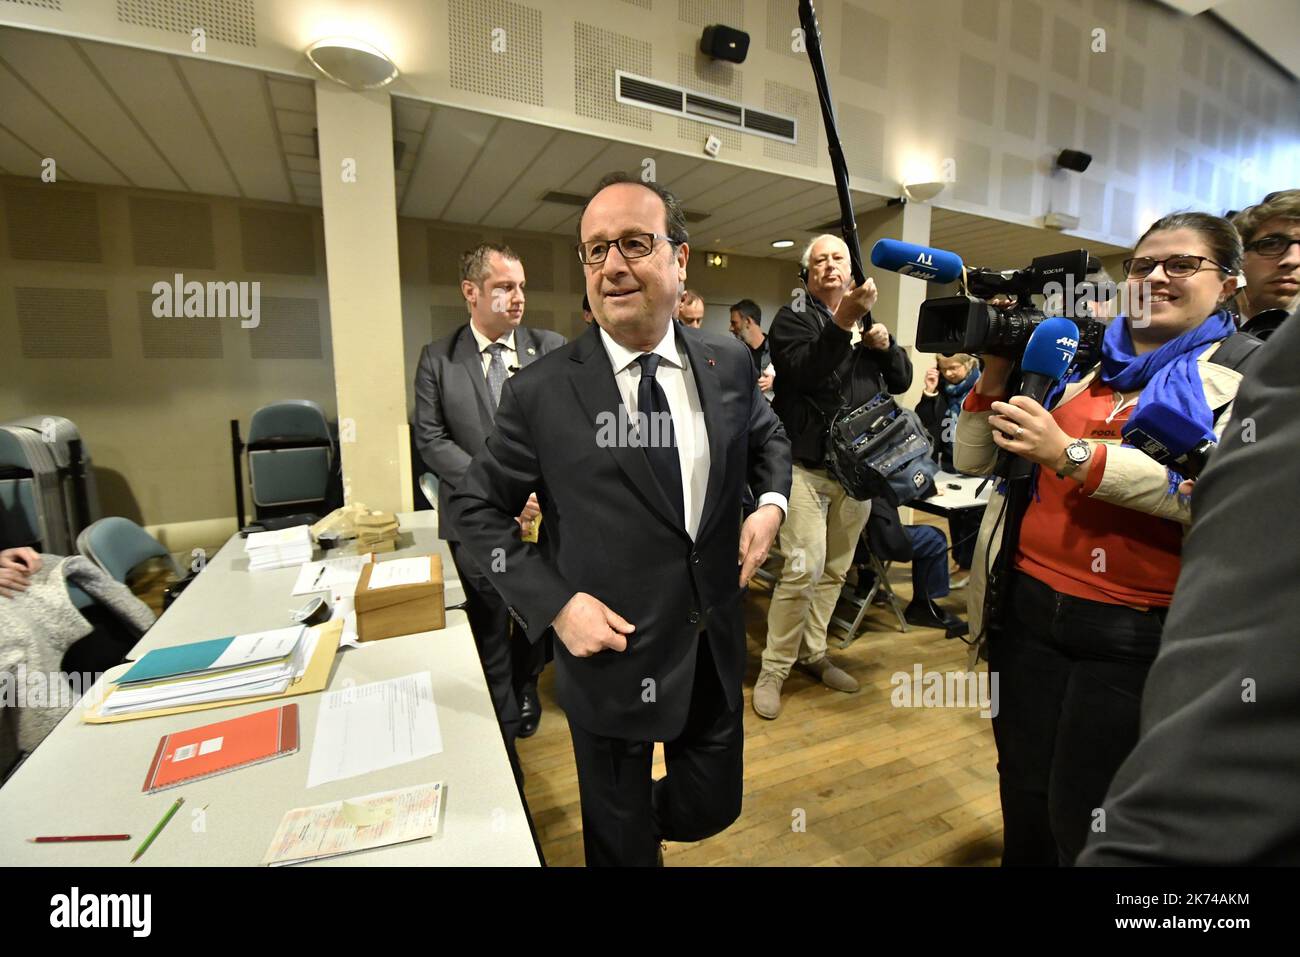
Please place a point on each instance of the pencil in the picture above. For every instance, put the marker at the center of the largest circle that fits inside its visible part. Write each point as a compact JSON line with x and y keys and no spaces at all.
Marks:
{"x":171,"y":812}
{"x":62,"y":838}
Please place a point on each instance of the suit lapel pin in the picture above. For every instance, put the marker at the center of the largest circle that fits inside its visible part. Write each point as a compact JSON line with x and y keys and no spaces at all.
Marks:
{"x":711,"y":362}
{"x":532,"y":351}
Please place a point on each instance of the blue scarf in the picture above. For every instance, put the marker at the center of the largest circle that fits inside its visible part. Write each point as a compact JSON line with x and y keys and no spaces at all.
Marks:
{"x":1167,"y":375}
{"x":954,"y":395}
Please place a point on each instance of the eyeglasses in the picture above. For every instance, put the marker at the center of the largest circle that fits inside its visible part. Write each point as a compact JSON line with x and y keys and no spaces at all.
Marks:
{"x":636,"y":246}
{"x":1271,"y":247}
{"x":1176,"y":267}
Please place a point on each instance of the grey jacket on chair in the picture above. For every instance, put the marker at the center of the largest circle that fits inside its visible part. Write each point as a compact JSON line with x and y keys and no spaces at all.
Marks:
{"x":37,"y":627}
{"x":453,"y":408}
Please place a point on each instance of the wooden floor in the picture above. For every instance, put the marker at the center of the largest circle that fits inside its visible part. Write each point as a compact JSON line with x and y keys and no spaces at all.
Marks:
{"x":876,"y":784}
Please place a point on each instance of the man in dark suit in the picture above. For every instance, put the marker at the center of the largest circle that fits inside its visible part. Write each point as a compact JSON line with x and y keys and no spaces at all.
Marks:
{"x":458,"y":383}
{"x":639,"y":438}
{"x":1213,"y":779}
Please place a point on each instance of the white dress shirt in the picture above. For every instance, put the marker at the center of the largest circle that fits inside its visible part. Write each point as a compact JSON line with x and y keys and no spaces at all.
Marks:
{"x":510,"y":357}
{"x":678,"y":382}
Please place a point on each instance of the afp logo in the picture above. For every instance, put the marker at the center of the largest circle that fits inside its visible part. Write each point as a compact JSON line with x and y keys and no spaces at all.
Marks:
{"x":1067,"y":341}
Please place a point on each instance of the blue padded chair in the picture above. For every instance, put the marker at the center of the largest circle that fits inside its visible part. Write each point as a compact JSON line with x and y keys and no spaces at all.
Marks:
{"x":19,"y":520}
{"x":118,"y":545}
{"x":290,"y":454}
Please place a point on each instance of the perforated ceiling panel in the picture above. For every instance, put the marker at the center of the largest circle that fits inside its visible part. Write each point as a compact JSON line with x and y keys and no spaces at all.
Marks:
{"x":178,"y":338}
{"x":1022,"y":106}
{"x":43,"y":4}
{"x":279,"y":241}
{"x":975,"y":96}
{"x":1027,"y":29}
{"x":49,"y":223}
{"x":643,"y":4}
{"x":597,"y":54}
{"x":1122,"y":204}
{"x":495,"y":48}
{"x":538,"y":257}
{"x":289,"y":329}
{"x":791,"y":101}
{"x":704,"y":12}
{"x":165,"y":232}
{"x":722,"y":80}
{"x":1017,"y":184}
{"x":63,"y":323}
{"x":782,"y":21}
{"x":445,"y":248}
{"x":232,"y":21}
{"x":972,"y":172}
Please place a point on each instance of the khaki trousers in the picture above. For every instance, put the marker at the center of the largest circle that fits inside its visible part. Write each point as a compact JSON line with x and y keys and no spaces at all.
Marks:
{"x":818,"y":539}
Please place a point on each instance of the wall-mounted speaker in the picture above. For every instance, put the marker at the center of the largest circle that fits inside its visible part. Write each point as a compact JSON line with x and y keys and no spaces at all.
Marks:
{"x":724,"y":43}
{"x":1075,"y":160}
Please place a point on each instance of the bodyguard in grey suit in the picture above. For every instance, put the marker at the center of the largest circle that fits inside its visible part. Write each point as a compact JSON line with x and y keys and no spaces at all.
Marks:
{"x":458,"y":383}
{"x":1215,"y":776}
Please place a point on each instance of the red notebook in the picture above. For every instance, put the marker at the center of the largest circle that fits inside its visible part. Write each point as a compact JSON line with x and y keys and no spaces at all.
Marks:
{"x":225,"y":746}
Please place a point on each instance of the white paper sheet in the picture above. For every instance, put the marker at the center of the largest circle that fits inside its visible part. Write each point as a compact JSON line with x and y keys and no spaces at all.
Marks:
{"x":330,"y":574}
{"x":366,"y":728}
{"x":375,"y":820}
{"x":259,"y":646}
{"x":400,"y":571}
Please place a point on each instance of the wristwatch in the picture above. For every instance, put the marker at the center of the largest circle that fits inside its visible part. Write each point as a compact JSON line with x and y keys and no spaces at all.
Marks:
{"x":1076,"y":453}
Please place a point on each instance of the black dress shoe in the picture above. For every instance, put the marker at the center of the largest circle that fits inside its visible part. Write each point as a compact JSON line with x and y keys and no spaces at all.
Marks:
{"x":530,"y":712}
{"x":926,"y":614}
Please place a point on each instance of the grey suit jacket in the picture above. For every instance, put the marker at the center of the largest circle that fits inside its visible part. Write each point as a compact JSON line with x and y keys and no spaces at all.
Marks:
{"x":1215,"y":776}
{"x":453,"y":408}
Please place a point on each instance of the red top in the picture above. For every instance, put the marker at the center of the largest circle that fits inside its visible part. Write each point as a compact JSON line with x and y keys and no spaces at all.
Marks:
{"x":1083,"y":546}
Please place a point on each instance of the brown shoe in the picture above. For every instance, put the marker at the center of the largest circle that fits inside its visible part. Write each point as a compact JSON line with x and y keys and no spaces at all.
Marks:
{"x":767,"y":695}
{"x":831,"y":675}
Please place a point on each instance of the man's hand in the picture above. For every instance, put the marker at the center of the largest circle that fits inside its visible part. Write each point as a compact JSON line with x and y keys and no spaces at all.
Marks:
{"x":17,"y":565}
{"x":587,"y":625}
{"x":530,"y":512}
{"x":756,"y":538}
{"x":877,"y":337}
{"x":765,"y":381}
{"x":857,"y":302}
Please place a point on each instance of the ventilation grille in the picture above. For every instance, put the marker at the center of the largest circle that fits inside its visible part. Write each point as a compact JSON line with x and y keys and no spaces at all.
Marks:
{"x":289,"y":329}
{"x":43,"y":4}
{"x":597,"y":54}
{"x":662,"y":98}
{"x":232,"y":21}
{"x":63,"y":323}
{"x":278,"y":241}
{"x":165,"y":232}
{"x":722,"y":84}
{"x":495,"y":49}
{"x":173,"y":338}
{"x":60,"y":225}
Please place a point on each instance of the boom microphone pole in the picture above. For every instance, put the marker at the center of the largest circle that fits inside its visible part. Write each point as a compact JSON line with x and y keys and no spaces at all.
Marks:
{"x":849,"y":226}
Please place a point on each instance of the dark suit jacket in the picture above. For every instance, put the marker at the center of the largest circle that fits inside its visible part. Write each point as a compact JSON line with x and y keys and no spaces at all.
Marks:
{"x":610,"y":532}
{"x":453,"y":408}
{"x":1215,"y":779}
{"x":818,"y":372}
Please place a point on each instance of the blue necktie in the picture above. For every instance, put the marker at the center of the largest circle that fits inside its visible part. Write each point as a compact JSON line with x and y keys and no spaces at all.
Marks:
{"x":496,"y":372}
{"x":659,"y":438}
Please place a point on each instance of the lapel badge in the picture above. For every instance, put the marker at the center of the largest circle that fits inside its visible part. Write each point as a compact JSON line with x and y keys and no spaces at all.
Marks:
{"x":532,"y":351}
{"x":711,"y":362}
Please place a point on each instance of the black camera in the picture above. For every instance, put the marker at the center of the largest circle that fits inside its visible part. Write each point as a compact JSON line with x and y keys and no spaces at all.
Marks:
{"x":969,"y":323}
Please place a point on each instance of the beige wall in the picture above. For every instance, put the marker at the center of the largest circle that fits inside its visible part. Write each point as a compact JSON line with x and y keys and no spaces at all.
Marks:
{"x":157,"y":428}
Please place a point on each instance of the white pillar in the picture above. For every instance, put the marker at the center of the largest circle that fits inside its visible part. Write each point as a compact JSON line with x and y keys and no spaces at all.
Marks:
{"x":359,"y":200}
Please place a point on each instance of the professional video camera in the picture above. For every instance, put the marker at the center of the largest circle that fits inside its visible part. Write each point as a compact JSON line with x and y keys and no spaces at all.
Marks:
{"x":969,"y":323}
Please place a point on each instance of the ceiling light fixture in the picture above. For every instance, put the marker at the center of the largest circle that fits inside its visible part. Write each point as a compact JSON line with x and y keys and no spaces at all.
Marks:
{"x":354,"y":63}
{"x":783,"y":244}
{"x":922,"y":192}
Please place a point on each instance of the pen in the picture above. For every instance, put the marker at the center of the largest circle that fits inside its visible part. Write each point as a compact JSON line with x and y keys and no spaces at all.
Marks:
{"x":318,"y":577}
{"x":171,"y":812}
{"x":61,"y":839}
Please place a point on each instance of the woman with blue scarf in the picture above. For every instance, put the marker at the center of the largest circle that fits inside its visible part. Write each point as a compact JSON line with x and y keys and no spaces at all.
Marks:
{"x":1100,"y":542}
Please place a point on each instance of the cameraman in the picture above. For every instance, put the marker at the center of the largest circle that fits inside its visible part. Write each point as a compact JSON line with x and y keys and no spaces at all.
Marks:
{"x":828,"y":355}
{"x":1100,"y":542}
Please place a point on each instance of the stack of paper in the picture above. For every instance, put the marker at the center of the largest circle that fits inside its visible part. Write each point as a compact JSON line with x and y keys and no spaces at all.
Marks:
{"x":242,"y":666}
{"x":332,"y":574}
{"x":279,"y":549}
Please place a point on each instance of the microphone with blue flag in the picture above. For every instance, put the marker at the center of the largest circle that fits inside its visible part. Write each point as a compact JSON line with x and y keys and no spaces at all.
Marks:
{"x":1170,"y":437}
{"x":1048,"y":357}
{"x":919,"y":262}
